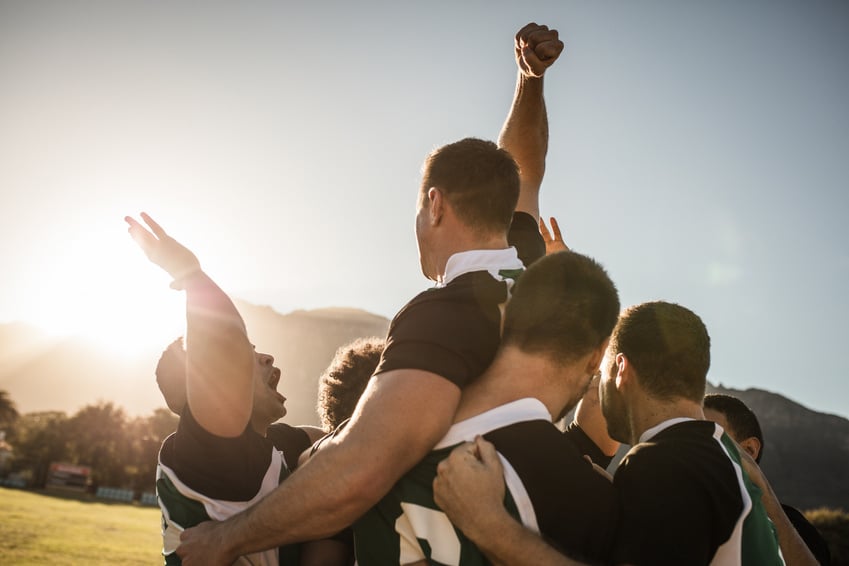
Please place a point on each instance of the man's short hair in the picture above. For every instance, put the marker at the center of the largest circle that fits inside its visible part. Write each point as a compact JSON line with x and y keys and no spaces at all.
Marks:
{"x":345,"y":379}
{"x":479,"y":179}
{"x":740,"y":418}
{"x":668,"y":346}
{"x":171,"y":375}
{"x":563,"y":306}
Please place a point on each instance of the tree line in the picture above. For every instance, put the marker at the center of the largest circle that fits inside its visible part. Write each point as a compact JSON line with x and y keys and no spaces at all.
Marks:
{"x":120,"y":450}
{"x":123,"y":452}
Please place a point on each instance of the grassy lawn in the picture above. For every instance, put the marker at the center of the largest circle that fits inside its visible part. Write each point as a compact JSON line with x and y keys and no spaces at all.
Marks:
{"x":42,"y":529}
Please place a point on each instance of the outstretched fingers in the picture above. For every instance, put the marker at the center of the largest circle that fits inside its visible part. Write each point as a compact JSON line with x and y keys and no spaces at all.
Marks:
{"x":154,"y":226}
{"x":140,"y":234}
{"x":555,"y":228}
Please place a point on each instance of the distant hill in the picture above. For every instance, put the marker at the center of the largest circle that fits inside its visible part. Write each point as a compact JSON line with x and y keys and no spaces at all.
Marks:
{"x":304,"y":343}
{"x":806,"y":455}
{"x":44,"y":374}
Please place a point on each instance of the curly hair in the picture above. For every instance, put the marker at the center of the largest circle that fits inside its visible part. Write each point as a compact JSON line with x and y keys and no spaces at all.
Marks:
{"x":345,"y":379}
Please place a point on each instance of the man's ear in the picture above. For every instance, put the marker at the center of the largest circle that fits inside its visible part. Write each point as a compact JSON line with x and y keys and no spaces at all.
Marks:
{"x":624,"y":371}
{"x":751,"y":445}
{"x":436,"y":202}
{"x":594,"y":362}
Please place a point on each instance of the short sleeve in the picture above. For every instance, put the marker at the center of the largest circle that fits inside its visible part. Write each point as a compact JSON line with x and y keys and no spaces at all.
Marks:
{"x":451,"y":331}
{"x":290,"y":440}
{"x":585,"y":445}
{"x":525,"y":237}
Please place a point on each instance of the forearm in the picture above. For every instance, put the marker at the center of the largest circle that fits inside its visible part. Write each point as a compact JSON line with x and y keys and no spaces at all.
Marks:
{"x":323,"y":497}
{"x":793,"y":548}
{"x":511,"y":544}
{"x":525,"y":136}
{"x":385,"y":438}
{"x":219,"y":358}
{"x":208,"y":307}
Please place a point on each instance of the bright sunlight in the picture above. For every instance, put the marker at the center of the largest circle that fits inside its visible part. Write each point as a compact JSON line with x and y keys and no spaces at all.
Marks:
{"x":106,"y":291}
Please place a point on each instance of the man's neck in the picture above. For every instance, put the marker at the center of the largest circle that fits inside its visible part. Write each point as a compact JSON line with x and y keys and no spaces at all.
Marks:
{"x":650,"y":412}
{"x":513,"y":375}
{"x":462,"y":242}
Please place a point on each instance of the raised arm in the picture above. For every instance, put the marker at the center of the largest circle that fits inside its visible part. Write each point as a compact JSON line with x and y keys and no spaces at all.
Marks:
{"x":386,"y":437}
{"x":525,"y":132}
{"x":219,"y":357}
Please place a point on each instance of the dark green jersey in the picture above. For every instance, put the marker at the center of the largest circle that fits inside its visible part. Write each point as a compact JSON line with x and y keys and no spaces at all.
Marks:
{"x":760,"y":541}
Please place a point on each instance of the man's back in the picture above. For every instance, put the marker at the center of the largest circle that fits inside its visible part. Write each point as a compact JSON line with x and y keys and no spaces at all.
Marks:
{"x":551,"y":489}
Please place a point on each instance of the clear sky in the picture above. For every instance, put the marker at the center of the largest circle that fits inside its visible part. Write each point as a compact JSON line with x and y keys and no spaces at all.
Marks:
{"x":699,"y":150}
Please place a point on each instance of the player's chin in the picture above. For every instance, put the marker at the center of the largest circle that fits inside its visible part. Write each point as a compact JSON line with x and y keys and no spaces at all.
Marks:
{"x":281,"y":410}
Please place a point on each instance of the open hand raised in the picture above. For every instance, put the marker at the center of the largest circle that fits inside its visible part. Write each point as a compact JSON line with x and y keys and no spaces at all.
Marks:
{"x":163,"y":250}
{"x":553,"y":243}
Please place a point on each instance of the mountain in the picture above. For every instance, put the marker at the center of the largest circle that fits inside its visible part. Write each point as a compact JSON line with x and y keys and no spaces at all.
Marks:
{"x":66,"y":374}
{"x":806,"y":454}
{"x":304,"y":343}
{"x":42,"y":373}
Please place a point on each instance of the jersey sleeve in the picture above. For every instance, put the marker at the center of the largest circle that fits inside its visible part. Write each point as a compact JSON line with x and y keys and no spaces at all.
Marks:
{"x":290,"y":440}
{"x":452,"y":331}
{"x":585,"y":445}
{"x":525,"y":237}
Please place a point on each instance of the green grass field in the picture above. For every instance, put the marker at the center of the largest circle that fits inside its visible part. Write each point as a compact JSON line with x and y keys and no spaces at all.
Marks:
{"x":42,"y":529}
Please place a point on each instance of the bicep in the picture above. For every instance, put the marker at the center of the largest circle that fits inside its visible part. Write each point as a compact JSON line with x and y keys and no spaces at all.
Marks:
{"x":401,"y":416}
{"x":219,"y":375}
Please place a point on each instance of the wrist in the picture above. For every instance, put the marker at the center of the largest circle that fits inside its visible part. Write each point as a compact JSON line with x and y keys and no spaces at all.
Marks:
{"x":484,"y":529}
{"x":231,"y":541}
{"x":188,"y":279}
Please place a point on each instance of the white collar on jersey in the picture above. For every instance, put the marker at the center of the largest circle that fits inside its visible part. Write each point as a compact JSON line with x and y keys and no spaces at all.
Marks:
{"x":527,"y":409}
{"x":650,"y":433}
{"x":492,"y":261}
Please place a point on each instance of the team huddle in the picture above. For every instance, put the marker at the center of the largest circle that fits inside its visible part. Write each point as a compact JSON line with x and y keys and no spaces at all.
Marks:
{"x":438,"y":444}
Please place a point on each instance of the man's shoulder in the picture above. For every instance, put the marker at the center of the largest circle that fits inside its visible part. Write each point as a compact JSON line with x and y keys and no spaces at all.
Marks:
{"x":671,"y":448}
{"x":472,"y":286}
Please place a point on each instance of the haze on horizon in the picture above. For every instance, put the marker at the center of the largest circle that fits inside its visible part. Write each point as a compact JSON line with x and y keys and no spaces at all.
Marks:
{"x":698,"y":150}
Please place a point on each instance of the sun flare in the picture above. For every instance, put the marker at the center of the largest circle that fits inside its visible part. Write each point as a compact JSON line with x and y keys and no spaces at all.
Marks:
{"x":106,"y":292}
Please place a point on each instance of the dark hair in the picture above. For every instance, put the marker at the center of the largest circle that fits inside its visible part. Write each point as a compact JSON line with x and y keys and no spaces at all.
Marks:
{"x":171,"y":375}
{"x":668,"y":346}
{"x":741,"y":420}
{"x":563,"y":306}
{"x":343,"y":382}
{"x":480,"y":180}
